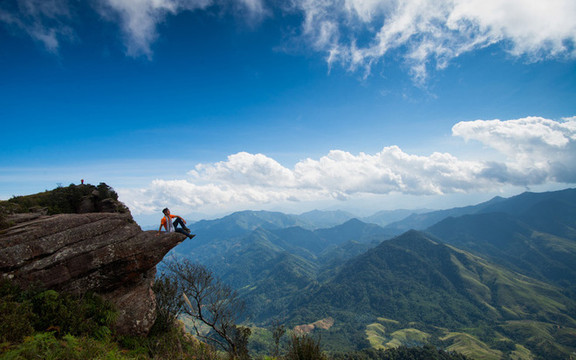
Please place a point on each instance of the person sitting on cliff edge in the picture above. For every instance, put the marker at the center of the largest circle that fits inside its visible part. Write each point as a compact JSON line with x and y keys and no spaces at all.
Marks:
{"x":177,"y":226}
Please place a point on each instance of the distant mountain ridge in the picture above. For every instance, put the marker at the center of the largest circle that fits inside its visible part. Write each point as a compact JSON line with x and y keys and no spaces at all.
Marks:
{"x":495,"y":279}
{"x":514,"y":206}
{"x":386,"y":217}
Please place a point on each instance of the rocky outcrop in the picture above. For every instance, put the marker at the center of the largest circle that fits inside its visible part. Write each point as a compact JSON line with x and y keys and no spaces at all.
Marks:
{"x":105,"y":253}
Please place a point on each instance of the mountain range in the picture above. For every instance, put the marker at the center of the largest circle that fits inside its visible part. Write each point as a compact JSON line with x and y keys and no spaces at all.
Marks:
{"x":493,"y":280}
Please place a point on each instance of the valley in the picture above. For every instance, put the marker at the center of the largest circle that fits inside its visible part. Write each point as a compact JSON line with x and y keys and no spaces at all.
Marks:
{"x":492,"y":281}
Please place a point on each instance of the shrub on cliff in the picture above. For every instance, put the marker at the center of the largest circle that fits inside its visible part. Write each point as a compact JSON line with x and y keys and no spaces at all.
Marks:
{"x":4,"y":224}
{"x":87,"y":315}
{"x":63,"y":200}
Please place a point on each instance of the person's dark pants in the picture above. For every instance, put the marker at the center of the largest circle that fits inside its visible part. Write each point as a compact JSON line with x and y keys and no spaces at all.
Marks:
{"x":178,"y":222}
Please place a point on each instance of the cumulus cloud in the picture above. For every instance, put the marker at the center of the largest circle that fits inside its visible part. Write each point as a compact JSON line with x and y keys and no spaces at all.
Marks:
{"x":534,"y":150}
{"x":534,"y":147}
{"x":359,"y":33}
{"x":245,"y":168}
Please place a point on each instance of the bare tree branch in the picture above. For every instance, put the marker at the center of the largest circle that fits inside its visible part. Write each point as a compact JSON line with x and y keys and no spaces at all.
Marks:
{"x":210,"y":302}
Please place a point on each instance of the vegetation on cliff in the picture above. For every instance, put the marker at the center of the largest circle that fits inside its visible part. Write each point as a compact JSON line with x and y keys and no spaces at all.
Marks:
{"x":71,"y":199}
{"x":36,"y":323}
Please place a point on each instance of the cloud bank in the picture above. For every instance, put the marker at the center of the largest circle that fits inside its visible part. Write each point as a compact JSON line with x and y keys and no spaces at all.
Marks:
{"x":534,"y":150}
{"x":356,"y":34}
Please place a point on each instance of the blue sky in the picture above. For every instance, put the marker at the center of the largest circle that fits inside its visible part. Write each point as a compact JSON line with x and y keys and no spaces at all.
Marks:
{"x":211,"y":106}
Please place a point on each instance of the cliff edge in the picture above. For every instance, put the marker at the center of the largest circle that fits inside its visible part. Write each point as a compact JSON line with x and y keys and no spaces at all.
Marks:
{"x":102,"y":252}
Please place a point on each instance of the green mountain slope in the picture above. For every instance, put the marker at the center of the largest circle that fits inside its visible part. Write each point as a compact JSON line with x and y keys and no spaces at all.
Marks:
{"x":553,"y":216}
{"x":413,"y":279}
{"x":416,"y":278}
{"x":513,"y":243}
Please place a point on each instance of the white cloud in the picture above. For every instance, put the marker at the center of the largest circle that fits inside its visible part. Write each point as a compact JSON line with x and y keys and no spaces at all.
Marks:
{"x":359,"y":33}
{"x":354,"y":33}
{"x":43,"y":20}
{"x":140,"y":18}
{"x":533,"y":146}
{"x":245,"y":168}
{"x":535,"y":151}
{"x":48,"y":21}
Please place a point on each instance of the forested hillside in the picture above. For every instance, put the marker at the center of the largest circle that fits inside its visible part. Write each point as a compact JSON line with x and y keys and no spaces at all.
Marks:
{"x":494,"y":280}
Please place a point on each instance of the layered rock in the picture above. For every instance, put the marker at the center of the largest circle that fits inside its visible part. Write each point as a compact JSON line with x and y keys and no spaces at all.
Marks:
{"x":105,"y":253}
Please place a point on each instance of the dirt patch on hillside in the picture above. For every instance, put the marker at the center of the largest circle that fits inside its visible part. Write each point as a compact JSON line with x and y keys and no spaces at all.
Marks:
{"x":325,"y":324}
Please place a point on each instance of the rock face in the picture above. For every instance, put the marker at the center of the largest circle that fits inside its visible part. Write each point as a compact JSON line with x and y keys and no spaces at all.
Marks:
{"x":105,"y":253}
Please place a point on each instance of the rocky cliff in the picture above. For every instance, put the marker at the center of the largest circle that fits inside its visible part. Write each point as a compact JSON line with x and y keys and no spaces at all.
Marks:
{"x":106,"y":253}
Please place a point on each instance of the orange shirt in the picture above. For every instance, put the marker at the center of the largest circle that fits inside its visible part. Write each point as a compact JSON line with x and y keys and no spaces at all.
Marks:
{"x":163,"y":221}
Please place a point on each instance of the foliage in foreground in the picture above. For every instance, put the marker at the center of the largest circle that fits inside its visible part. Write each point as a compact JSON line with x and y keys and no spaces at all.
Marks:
{"x":426,"y":352}
{"x":50,"y":325}
{"x":48,"y":345}
{"x":47,"y":324}
{"x":26,"y":312}
{"x":304,"y":347}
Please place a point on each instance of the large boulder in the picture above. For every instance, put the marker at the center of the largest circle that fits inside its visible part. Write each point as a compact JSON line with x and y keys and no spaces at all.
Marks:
{"x":105,"y":253}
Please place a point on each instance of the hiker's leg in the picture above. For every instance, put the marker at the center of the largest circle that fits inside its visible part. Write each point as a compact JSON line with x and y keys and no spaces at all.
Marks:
{"x":179,"y":222}
{"x":182,"y":231}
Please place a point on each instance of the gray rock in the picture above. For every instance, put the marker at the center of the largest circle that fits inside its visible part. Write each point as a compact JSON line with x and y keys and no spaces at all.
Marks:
{"x":105,"y":253}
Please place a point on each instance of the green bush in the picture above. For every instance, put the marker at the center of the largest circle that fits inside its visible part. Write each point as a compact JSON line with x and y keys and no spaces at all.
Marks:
{"x":168,"y":304}
{"x":23,"y":312}
{"x":304,"y":348}
{"x":4,"y":223}
{"x":46,"y":346}
{"x":172,"y":344}
{"x":16,"y":321}
{"x":16,"y":314}
{"x":106,"y":192}
{"x":68,"y":314}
